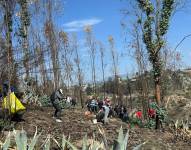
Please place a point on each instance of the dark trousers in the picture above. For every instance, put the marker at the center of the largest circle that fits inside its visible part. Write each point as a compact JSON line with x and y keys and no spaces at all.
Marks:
{"x":57,"y":113}
{"x":4,"y":114}
{"x":18,"y":116}
{"x":100,"y":116}
{"x":58,"y":109}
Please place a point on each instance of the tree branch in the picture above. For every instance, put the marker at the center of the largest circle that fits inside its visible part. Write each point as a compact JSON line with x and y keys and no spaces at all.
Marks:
{"x":184,"y":38}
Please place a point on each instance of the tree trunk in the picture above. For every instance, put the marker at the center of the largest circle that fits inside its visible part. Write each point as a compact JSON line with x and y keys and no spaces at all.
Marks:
{"x":81,"y":98}
{"x":157,"y":93}
{"x":158,"y":101}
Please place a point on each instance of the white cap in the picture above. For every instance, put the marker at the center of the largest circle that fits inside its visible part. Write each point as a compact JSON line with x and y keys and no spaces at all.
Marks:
{"x":61,"y":91}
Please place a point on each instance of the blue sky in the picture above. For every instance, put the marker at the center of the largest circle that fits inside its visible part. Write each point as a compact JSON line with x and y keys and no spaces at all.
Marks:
{"x":105,"y":17}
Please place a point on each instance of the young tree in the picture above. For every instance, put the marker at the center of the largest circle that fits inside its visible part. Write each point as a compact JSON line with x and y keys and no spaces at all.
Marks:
{"x":53,"y":45}
{"x":66,"y":56}
{"x":91,"y":43}
{"x":79,"y":69}
{"x":9,"y":7}
{"x":25,"y":23}
{"x":115,"y":61}
{"x":101,"y":49}
{"x":156,"y":23}
{"x":141,"y":60}
{"x":39,"y":49}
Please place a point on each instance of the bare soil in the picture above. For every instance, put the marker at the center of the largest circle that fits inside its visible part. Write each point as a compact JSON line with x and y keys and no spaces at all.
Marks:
{"x":77,"y":125}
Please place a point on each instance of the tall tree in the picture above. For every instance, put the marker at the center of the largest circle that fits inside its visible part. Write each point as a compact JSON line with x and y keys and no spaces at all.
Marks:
{"x":91,"y":43}
{"x":141,"y":60}
{"x":67,"y":52}
{"x":156,"y":23}
{"x":115,"y":69}
{"x":53,"y":45}
{"x":79,"y":69}
{"x":8,"y":9}
{"x":25,"y":23}
{"x":101,"y":49}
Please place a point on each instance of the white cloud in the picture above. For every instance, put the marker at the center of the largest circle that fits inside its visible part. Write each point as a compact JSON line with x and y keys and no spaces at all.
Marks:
{"x":78,"y":25}
{"x":72,"y":29}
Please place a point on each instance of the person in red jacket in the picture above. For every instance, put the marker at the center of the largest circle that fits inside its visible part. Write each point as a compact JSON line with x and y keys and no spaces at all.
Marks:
{"x":151,"y":113}
{"x":139,"y":114}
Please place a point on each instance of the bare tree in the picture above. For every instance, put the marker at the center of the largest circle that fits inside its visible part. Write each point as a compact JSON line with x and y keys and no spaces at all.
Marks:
{"x":66,"y":56}
{"x":40,"y":58}
{"x":51,"y":37}
{"x":79,"y":68}
{"x":91,"y":43}
{"x":102,"y":49}
{"x":115,"y":69}
{"x":141,"y":60}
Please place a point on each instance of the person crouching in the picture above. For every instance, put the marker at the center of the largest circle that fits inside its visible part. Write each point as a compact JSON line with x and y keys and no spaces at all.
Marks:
{"x":102,"y":115}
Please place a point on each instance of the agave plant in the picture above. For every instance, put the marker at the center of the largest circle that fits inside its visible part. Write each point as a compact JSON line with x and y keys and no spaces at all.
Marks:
{"x":7,"y":142}
{"x":22,"y":142}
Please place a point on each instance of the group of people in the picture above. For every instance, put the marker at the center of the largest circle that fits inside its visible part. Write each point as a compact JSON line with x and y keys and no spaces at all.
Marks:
{"x":121,"y":112}
{"x":13,"y":108}
{"x":102,"y":108}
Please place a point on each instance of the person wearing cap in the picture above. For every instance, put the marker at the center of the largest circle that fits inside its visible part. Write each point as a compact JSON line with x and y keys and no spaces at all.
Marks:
{"x":55,"y":98}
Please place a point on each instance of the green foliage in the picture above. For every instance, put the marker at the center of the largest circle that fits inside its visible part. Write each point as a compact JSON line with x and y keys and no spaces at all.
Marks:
{"x":150,"y":124}
{"x":22,"y":140}
{"x":47,"y":143}
{"x":25,"y":17}
{"x":165,"y":16}
{"x":152,"y":35}
{"x":45,"y":101}
{"x":146,"y":5}
{"x":5,"y":124}
{"x":7,"y":142}
{"x":135,"y":121}
{"x":122,"y":139}
{"x":89,"y":90}
{"x":8,"y":20}
{"x":162,"y":114}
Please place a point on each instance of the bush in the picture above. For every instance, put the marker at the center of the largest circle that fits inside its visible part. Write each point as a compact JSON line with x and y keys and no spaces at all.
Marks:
{"x":135,"y":121}
{"x":45,"y":101}
{"x":5,"y":125}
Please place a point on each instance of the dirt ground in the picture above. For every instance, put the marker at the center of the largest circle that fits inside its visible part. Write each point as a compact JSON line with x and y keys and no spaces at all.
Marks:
{"x":77,"y":125}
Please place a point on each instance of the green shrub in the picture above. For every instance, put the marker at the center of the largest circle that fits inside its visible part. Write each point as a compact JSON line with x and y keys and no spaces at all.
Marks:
{"x":45,"y":101}
{"x":150,"y":124}
{"x":135,"y":121}
{"x":6,"y":125}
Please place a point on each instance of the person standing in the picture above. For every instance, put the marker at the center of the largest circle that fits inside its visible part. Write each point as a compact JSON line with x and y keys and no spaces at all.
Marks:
{"x":55,"y":98}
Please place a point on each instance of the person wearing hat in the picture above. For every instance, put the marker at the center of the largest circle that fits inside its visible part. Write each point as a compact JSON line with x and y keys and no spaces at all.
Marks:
{"x":55,"y":98}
